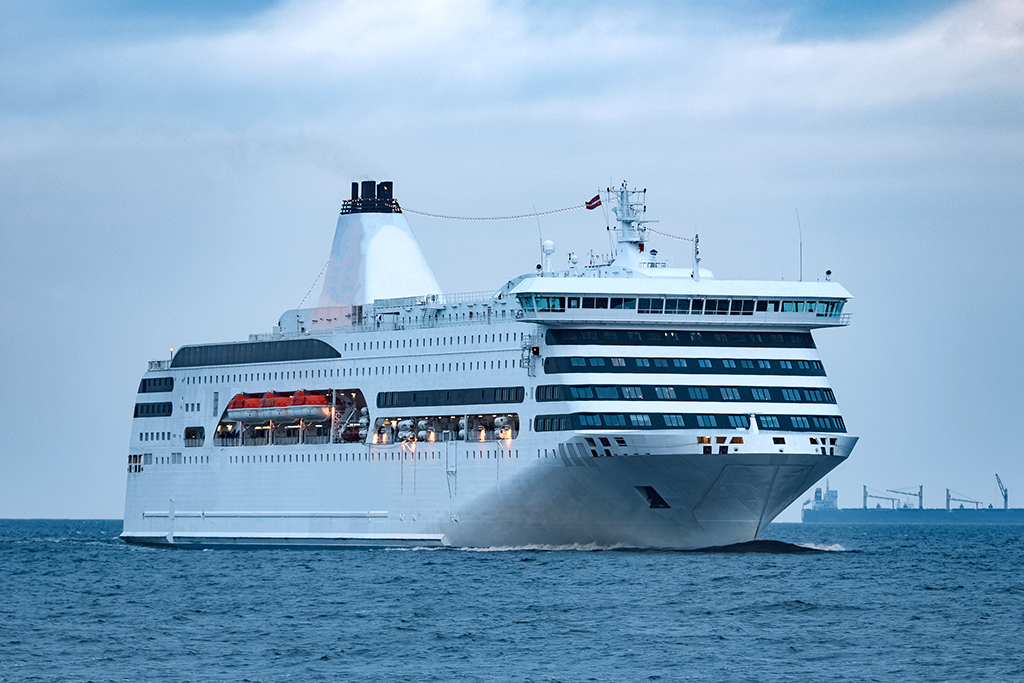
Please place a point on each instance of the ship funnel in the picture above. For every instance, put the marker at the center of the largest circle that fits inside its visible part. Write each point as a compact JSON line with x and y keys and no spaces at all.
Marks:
{"x":375,"y":254}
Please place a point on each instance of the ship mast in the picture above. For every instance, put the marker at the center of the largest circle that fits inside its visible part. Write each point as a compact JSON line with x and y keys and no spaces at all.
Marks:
{"x":631,"y":233}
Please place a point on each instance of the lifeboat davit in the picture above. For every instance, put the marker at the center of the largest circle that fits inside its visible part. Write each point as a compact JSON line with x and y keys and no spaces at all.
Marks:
{"x":301,"y":406}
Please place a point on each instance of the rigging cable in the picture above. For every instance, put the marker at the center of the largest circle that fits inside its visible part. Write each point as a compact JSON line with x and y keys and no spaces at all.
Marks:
{"x":314,"y":283}
{"x":496,"y":218}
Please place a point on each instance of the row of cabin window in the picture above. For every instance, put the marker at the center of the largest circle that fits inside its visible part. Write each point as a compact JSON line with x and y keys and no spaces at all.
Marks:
{"x":732,"y":366}
{"x":154,"y":436}
{"x":343,"y":372}
{"x":558,"y":392}
{"x":673,"y":306}
{"x":450,"y":397}
{"x":163,"y":409}
{"x":261,"y":376}
{"x":576,"y":421}
{"x":152,"y":385}
{"x":430,"y":342}
{"x":793,"y":340}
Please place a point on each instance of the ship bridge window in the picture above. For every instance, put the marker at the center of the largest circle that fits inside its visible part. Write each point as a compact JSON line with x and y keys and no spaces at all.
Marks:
{"x":742,"y":307}
{"x":677,"y":305}
{"x":622,"y":303}
{"x":716,"y":306}
{"x":650,"y":306}
{"x":595,"y":302}
{"x":574,"y":302}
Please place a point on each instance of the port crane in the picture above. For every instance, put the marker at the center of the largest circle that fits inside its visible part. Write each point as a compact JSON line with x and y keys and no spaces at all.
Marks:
{"x":919,"y":494}
{"x":1006,"y":494}
{"x":867,"y":495}
{"x":976,"y":503}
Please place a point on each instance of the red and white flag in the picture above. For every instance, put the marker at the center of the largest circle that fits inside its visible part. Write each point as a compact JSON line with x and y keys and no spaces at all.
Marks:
{"x":595,"y":202}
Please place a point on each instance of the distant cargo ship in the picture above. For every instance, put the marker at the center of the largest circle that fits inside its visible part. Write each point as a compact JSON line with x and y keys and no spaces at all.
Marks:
{"x":824,"y":509}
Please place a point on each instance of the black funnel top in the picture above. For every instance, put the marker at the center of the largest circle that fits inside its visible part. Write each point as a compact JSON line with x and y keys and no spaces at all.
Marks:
{"x":372,"y":197}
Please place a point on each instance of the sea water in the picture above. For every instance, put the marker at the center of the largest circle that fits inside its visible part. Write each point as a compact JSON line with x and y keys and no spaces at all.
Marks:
{"x":828,"y":603}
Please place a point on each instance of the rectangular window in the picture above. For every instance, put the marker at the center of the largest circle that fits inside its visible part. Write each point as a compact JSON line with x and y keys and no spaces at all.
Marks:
{"x":761,"y":394}
{"x":590,"y":421}
{"x":679,"y":362}
{"x":607,"y":392}
{"x":581,"y":392}
{"x":619,"y":362}
{"x":704,"y":362}
{"x":706,"y":421}
{"x":739,"y":421}
{"x":730,"y":393}
{"x":668,"y":393}
{"x":640,"y":420}
{"x":574,"y":302}
{"x":786,"y":365}
{"x":790,"y":395}
{"x":677,"y":305}
{"x":632,"y":392}
{"x":597,"y":362}
{"x":595,"y":302}
{"x":729,"y":363}
{"x":747,"y":363}
{"x":799,"y":422}
{"x":661,"y":362}
{"x":643,"y":363}
{"x":697,"y":393}
{"x":696,"y":306}
{"x":578,"y":362}
{"x":674,"y":421}
{"x":768,"y":421}
{"x":765,"y":364}
{"x":653,"y":306}
{"x":615,"y":420}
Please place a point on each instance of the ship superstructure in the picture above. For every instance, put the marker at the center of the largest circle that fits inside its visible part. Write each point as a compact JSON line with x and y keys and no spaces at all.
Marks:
{"x":620,"y":402}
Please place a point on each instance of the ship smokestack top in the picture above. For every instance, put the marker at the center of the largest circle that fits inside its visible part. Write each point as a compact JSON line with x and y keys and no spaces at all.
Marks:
{"x":370,"y":196}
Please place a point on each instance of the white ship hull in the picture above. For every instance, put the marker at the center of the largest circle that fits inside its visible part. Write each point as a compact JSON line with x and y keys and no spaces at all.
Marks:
{"x":458,"y":494}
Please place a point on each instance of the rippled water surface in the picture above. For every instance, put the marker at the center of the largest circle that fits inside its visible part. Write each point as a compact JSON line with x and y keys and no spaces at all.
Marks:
{"x":942,"y":603}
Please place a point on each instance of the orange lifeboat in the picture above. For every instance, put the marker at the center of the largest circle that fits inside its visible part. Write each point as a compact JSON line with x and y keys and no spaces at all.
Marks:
{"x":279,"y":408}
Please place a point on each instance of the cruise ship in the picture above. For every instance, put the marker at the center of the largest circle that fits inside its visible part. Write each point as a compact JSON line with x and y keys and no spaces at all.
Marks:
{"x":620,"y":402}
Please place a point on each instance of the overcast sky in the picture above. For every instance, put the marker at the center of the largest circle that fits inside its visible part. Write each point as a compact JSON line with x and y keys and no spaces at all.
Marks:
{"x":171,"y":173}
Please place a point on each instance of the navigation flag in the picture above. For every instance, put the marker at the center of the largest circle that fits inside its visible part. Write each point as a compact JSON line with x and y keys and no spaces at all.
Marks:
{"x":595,"y":202}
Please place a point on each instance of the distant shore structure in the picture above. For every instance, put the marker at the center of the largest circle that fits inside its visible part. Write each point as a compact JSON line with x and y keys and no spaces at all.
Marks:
{"x":824,"y":509}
